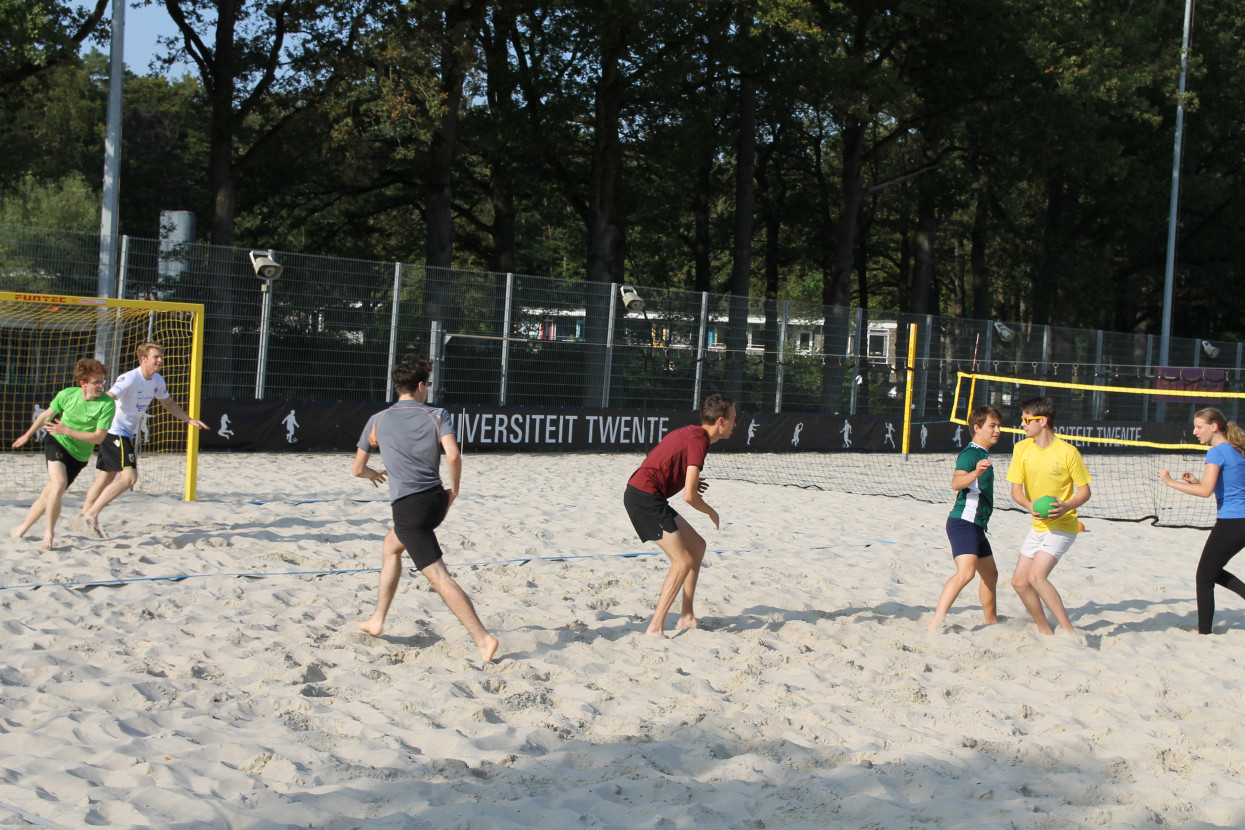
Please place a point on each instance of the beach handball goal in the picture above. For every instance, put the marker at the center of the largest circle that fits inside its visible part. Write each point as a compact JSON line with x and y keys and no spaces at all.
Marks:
{"x":42,"y":336}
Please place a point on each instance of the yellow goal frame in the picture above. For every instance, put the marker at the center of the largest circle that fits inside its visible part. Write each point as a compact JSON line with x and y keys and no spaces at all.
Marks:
{"x":1114,"y":390}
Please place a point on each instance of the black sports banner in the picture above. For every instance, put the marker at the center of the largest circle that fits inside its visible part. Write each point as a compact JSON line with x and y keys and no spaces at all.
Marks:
{"x":321,"y":426}
{"x":246,"y":425}
{"x":318,"y":426}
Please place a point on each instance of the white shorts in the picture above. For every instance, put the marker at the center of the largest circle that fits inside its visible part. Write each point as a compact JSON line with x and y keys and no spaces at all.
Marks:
{"x":1054,"y":542}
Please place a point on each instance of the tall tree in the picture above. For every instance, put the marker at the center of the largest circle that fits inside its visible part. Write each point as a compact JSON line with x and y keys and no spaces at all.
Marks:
{"x":36,"y":35}
{"x":748,"y":65}
{"x":263,"y":66}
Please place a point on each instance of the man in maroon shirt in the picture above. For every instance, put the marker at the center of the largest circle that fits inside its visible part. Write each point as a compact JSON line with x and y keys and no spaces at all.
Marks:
{"x":671,"y":466}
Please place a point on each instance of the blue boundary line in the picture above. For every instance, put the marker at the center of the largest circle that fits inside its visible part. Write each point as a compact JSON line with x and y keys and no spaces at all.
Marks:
{"x":264,"y":574}
{"x":518,"y":560}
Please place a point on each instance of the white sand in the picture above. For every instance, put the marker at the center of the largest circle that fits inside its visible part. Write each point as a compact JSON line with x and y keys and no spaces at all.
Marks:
{"x":813,"y":698}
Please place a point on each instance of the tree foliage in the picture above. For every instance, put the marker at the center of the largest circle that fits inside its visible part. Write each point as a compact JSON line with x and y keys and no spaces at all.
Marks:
{"x":1001,"y":159}
{"x":36,"y":35}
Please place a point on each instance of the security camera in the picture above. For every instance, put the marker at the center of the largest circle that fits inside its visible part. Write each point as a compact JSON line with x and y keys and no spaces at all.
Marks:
{"x":1005,"y":334}
{"x":266,"y":268}
{"x":631,"y":300}
{"x":1211,"y":350}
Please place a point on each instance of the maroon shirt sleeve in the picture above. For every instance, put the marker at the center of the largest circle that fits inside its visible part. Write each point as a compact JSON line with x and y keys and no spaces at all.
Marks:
{"x":664,"y":471}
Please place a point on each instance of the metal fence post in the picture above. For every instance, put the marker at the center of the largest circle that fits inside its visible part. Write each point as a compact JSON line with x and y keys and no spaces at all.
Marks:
{"x":929,"y":324}
{"x":1045,"y":354}
{"x":1098,"y":396}
{"x":986,"y":391}
{"x":700,"y":348}
{"x":125,"y":265}
{"x":1197,"y":363}
{"x":609,"y":348}
{"x":1236,"y":402}
{"x":434,"y":346}
{"x":860,"y":349}
{"x":1145,"y":399}
{"x":505,"y":338}
{"x":782,"y":354}
{"x":393,"y":330}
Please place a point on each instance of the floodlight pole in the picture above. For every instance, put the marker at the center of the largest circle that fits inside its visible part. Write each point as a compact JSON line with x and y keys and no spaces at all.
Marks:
{"x":609,"y":347}
{"x":112,"y":157}
{"x":265,"y":321}
{"x":1169,"y":274}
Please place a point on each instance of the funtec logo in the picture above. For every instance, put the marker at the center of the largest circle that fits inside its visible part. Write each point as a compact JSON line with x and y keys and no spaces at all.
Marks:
{"x":41,"y":298}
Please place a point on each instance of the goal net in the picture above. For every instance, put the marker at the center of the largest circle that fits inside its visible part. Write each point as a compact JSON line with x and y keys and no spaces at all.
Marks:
{"x":43,"y":335}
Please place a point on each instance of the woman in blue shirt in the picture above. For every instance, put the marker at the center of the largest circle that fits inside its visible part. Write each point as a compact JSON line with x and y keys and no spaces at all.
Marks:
{"x":1223,"y":475}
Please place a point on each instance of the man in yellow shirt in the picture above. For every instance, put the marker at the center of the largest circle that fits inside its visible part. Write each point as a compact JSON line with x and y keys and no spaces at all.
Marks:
{"x":1045,"y":465}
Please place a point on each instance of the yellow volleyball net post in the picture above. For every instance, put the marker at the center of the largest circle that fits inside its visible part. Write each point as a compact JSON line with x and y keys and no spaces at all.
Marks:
{"x":907,"y":397}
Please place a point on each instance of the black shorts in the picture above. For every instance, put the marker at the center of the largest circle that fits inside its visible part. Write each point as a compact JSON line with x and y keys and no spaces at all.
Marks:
{"x":53,"y":451}
{"x":117,"y":454}
{"x":967,"y":538}
{"x":650,"y":514}
{"x":415,"y":517}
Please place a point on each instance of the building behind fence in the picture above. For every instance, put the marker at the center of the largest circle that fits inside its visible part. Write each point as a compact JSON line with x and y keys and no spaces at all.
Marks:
{"x":337,"y":325}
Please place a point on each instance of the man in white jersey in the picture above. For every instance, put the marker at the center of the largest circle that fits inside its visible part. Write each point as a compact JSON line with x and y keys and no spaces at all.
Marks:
{"x":133,"y":392}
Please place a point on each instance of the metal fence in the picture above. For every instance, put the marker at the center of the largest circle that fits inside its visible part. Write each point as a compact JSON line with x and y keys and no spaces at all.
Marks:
{"x":336,"y":326}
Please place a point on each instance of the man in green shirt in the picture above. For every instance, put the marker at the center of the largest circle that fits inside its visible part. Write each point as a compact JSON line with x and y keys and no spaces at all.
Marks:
{"x":77,"y":419}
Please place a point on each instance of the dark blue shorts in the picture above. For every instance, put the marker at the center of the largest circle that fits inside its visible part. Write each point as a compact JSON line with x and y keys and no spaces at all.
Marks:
{"x":967,"y":538}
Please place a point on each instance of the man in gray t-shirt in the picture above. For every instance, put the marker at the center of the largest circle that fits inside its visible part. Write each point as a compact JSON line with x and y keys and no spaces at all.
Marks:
{"x":411,"y":435}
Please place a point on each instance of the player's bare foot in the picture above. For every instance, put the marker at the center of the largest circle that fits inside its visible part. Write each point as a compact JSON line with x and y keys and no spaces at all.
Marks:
{"x":373,"y":626}
{"x":92,"y":524}
{"x":936,"y":624}
{"x":488,"y":648}
{"x":688,"y":622}
{"x":654,"y":632}
{"x":46,"y":543}
{"x":18,"y":532}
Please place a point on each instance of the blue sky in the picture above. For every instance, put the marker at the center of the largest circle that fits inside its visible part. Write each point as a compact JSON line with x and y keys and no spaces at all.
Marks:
{"x":142,"y":26}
